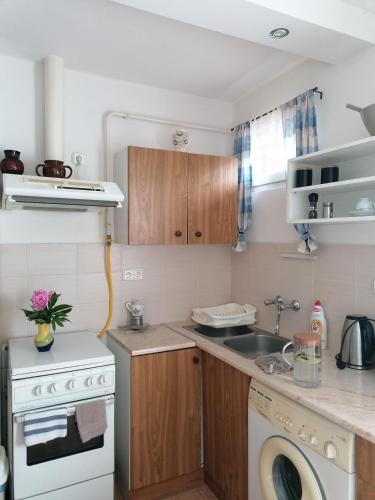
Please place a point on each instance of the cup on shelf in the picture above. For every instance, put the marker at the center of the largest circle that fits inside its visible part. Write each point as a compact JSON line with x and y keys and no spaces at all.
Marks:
{"x":329,"y":173}
{"x":304,"y":177}
{"x":365,"y":205}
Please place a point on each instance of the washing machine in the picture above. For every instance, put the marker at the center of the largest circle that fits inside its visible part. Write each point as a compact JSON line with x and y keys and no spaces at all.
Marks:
{"x":295,"y":453}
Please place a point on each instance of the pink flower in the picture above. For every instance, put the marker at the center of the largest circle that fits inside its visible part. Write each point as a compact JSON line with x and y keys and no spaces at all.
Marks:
{"x":40,"y":299}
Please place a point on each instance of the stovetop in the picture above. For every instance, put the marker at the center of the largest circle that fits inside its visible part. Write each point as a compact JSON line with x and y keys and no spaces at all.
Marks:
{"x":70,"y":351}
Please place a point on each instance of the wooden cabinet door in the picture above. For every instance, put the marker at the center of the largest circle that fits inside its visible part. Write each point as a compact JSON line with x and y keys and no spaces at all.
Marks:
{"x":365,"y":467}
{"x":225,"y":409}
{"x":212,"y":199}
{"x":165,"y":416}
{"x":157,"y":182}
{"x":364,"y":490}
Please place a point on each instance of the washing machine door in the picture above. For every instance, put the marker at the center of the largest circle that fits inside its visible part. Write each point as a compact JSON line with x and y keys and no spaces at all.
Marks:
{"x":285,"y":473}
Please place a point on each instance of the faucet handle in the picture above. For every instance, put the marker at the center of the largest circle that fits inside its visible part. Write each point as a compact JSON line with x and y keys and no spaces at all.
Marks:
{"x":295,"y":305}
{"x":279,"y":300}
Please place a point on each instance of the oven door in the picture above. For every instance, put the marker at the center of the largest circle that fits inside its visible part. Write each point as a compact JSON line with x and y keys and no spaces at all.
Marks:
{"x":62,"y":461}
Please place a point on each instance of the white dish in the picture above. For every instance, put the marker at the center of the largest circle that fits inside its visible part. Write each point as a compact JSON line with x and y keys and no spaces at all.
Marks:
{"x":361,"y":213}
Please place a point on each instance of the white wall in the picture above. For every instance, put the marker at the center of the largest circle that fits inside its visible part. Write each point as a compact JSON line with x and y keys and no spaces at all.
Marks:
{"x":87,"y":98}
{"x":350,"y":82}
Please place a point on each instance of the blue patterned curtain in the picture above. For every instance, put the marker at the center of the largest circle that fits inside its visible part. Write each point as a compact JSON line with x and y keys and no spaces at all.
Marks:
{"x":242,"y":152}
{"x":299,"y":125}
{"x":306,"y":131}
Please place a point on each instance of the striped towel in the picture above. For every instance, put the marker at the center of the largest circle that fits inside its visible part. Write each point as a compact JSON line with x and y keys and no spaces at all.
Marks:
{"x":44,"y":426}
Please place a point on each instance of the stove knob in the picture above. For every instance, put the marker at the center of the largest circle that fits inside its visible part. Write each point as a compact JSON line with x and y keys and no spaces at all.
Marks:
{"x":102,"y":379}
{"x":39,"y":390}
{"x":314,"y":440}
{"x":53,"y":388}
{"x":302,"y":435}
{"x":70,"y":385}
{"x":89,"y":382}
{"x":330,"y":450}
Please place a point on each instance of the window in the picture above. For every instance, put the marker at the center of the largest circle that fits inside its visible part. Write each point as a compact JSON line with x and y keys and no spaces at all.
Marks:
{"x":269,"y":151}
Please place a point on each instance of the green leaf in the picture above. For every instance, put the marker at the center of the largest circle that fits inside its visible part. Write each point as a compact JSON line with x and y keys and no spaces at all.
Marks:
{"x":53,"y":300}
{"x":26,"y":311}
{"x":61,"y":307}
{"x":34,"y":315}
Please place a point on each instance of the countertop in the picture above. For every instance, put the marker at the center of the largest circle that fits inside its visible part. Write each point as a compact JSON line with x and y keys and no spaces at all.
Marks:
{"x":157,"y":338}
{"x":346,"y":397}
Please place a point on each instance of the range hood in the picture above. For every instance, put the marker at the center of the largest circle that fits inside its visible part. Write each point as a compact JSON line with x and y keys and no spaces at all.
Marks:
{"x":51,"y":193}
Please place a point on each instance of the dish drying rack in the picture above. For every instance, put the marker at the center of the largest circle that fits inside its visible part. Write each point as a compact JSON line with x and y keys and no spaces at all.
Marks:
{"x":231,"y":314}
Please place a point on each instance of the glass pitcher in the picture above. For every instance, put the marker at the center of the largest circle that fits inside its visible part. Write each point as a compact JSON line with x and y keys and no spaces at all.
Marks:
{"x":307,"y":359}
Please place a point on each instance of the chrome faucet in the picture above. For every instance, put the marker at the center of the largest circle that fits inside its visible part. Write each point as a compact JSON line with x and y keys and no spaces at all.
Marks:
{"x":281,"y":306}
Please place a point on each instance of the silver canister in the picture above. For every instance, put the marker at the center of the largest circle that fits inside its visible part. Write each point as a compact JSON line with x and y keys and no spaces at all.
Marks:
{"x":327,"y":210}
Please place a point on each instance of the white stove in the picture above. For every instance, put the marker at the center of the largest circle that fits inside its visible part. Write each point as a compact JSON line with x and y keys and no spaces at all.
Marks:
{"x":70,"y":350}
{"x":78,"y":368}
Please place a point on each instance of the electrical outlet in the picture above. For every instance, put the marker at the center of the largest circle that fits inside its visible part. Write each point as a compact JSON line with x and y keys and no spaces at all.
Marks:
{"x":133,"y":274}
{"x":78,"y":158}
{"x":128,"y":274}
{"x":138,"y":274}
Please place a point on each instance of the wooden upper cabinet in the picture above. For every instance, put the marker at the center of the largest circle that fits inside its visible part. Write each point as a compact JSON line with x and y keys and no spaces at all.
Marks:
{"x":212,"y":199}
{"x":157,"y":182}
{"x":180,"y":198}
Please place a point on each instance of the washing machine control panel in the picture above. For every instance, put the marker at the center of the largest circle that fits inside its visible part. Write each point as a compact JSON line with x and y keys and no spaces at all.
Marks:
{"x":304,"y":426}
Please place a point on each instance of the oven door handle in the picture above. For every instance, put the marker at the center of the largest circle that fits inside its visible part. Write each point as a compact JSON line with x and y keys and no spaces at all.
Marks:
{"x":19,"y":419}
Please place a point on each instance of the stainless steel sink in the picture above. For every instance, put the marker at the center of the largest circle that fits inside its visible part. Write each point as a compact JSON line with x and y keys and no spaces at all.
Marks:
{"x":249,"y":341}
{"x":255,"y":345}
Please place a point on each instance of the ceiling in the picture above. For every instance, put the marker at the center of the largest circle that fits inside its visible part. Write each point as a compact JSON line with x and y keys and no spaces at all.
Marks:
{"x":212,"y":48}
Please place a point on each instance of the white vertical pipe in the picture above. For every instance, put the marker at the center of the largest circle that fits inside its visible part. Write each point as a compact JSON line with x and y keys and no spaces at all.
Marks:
{"x":54,"y":107}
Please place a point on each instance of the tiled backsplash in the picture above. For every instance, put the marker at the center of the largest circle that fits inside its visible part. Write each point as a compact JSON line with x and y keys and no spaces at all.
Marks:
{"x":175,"y":280}
{"x":342,"y":278}
{"x":179,"y":278}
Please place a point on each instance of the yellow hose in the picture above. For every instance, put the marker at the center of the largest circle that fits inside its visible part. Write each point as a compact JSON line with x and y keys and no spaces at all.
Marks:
{"x":110,"y":286}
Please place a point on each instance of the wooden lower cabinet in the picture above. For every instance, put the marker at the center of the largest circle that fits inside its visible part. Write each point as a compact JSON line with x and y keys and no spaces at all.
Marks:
{"x":365,"y":467}
{"x":365,"y":491}
{"x":225,"y":420}
{"x":165,"y":416}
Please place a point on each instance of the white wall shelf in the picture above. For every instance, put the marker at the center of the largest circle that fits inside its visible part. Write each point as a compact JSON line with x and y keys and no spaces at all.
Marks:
{"x":356,"y":162}
{"x":336,"y":220}
{"x":340,"y":186}
{"x":349,"y":151}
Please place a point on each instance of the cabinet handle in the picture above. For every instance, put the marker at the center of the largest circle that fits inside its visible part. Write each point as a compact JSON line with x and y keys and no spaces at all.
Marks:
{"x":196,"y":360}
{"x":178,"y":234}
{"x":198,"y":234}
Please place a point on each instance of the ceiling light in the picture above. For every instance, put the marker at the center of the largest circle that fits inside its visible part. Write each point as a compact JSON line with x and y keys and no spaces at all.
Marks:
{"x":279,"y":33}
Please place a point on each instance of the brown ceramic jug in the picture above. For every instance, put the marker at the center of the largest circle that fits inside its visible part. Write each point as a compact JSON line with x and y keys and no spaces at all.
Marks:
{"x":11,"y":164}
{"x":53,"y":168}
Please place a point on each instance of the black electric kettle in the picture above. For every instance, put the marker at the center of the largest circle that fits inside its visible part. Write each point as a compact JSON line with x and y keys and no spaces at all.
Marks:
{"x":357,"y":343}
